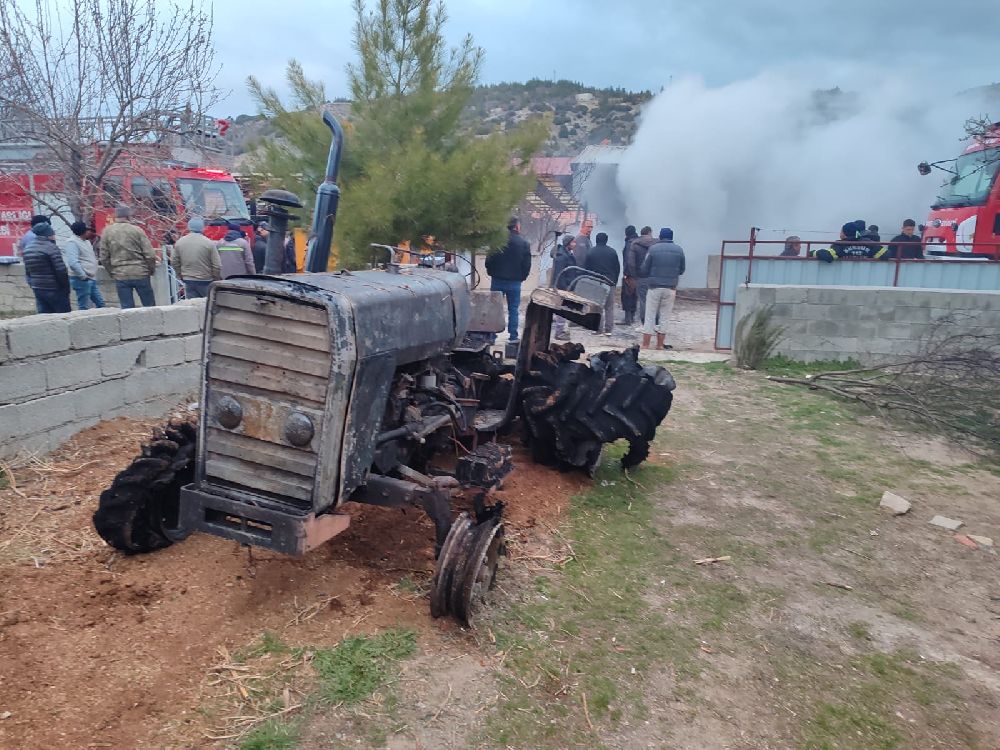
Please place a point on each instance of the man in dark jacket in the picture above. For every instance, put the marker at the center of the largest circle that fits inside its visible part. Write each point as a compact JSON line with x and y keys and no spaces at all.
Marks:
{"x":849,"y":246}
{"x":661,"y":269}
{"x":45,"y":271}
{"x":603,"y":259}
{"x":508,"y":269}
{"x":564,"y":258}
{"x":28,"y":237}
{"x":906,"y":244}
{"x":637,"y":254}
{"x":260,"y":246}
{"x":630,"y":295}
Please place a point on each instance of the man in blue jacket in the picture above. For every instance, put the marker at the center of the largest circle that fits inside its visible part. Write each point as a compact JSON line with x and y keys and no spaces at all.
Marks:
{"x":508,"y":269}
{"x":661,"y":270}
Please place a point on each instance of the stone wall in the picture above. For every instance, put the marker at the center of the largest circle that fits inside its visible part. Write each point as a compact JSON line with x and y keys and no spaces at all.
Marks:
{"x":16,"y":295}
{"x":867,"y":324}
{"x":62,"y":373}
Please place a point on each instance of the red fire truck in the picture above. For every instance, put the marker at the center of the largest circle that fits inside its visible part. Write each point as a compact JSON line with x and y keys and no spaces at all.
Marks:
{"x":162,"y":198}
{"x":965,"y":218}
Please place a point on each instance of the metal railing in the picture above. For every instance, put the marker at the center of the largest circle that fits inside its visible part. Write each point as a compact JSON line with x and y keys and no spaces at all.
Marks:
{"x":753,"y":261}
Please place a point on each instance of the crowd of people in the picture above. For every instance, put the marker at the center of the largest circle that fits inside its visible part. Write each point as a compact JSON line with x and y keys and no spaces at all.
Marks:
{"x":54,"y":271}
{"x":861,"y":240}
{"x":648,"y":272}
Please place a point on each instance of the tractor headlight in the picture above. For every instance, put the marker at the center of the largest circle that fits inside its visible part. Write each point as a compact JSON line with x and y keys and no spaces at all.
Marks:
{"x":228,"y":412}
{"x":299,"y":429}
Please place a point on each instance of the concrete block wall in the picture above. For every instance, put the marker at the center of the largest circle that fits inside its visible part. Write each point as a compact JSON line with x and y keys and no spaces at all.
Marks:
{"x":62,"y":373}
{"x":16,"y":296}
{"x":867,"y":324}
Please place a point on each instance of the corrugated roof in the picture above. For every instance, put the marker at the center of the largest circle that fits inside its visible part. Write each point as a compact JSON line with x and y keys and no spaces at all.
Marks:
{"x":556,"y":166}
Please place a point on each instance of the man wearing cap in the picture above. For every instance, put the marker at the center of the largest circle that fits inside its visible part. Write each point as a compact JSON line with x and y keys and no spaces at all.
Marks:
{"x":45,"y":271}
{"x":82,"y":263}
{"x":260,"y":246}
{"x":661,"y":270}
{"x":508,"y":268}
{"x":128,"y":256}
{"x":195,"y":260}
{"x":28,"y":237}
{"x":849,"y":246}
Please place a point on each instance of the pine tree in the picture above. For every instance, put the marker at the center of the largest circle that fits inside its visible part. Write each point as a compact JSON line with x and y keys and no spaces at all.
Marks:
{"x":410,"y":169}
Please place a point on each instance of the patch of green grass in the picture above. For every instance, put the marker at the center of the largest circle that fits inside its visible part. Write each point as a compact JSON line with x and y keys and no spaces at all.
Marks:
{"x":859,"y":630}
{"x":784,"y":367}
{"x":273,"y":734}
{"x":269,"y":644}
{"x":840,"y":725}
{"x":589,"y":629}
{"x":864,"y":713}
{"x":358,"y":666}
{"x":348,"y":673}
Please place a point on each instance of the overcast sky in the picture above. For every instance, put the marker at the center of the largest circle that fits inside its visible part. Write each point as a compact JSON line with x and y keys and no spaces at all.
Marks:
{"x":637,"y":44}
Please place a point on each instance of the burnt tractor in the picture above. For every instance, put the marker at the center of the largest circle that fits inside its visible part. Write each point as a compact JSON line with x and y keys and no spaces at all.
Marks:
{"x":322,"y":388}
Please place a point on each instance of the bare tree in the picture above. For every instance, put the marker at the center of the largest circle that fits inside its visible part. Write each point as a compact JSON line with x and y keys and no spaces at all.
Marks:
{"x":88,"y":84}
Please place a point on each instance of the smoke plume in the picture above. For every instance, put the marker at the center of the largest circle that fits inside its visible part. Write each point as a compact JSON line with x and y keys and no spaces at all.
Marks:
{"x":777,"y":153}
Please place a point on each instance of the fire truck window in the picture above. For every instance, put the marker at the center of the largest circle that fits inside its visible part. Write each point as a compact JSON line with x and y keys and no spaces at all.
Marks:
{"x":161,"y":200}
{"x":996,"y":225}
{"x":212,"y":199}
{"x":140,"y":188}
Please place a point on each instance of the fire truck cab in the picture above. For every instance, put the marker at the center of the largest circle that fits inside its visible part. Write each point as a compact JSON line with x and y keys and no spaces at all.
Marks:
{"x":964,"y":221}
{"x":162,"y":197}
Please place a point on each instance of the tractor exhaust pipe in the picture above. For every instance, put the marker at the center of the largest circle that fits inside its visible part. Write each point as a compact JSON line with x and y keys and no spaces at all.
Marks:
{"x":327,"y":199}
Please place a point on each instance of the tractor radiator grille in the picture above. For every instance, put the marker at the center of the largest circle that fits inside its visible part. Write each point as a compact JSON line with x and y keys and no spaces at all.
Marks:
{"x":271,"y":357}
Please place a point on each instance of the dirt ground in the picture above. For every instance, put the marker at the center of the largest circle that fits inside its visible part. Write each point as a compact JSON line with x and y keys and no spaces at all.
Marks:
{"x":103,"y":650}
{"x":829,"y":625}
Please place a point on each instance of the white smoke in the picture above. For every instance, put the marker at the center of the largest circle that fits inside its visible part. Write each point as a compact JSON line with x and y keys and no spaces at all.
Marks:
{"x":772,"y":153}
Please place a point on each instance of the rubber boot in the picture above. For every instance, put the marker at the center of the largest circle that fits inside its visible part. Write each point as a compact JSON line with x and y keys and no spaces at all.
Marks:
{"x":659,"y":340}
{"x":645,"y":340}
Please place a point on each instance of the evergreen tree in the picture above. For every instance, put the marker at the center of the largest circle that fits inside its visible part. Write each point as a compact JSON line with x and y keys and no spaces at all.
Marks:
{"x":410,"y":169}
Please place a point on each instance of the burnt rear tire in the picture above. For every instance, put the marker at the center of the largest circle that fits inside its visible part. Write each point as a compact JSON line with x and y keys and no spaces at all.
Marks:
{"x":572,"y":409}
{"x":140,"y":508}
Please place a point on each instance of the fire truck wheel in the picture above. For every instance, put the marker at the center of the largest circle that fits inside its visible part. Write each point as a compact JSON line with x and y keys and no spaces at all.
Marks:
{"x":137,"y":511}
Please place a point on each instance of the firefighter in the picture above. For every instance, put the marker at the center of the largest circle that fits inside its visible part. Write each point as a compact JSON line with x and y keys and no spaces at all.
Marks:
{"x":849,"y":246}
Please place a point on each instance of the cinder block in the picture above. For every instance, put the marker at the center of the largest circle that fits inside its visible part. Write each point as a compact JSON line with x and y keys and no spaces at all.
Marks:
{"x":10,"y":424}
{"x":895,"y":331}
{"x":844,"y":344}
{"x":60,"y":435}
{"x":98,"y":400}
{"x":812,"y":311}
{"x":826,"y":327}
{"x":192,"y":347}
{"x":172,"y":382}
{"x":163,"y":352}
{"x":72,"y":370}
{"x":36,"y":442}
{"x":19,"y":382}
{"x":791,"y":294}
{"x":121,"y":359}
{"x":181,"y":319}
{"x":90,"y":328}
{"x":37,"y":335}
{"x":141,"y":323}
{"x":143,"y":385}
{"x":47,"y":413}
{"x":766,"y":295}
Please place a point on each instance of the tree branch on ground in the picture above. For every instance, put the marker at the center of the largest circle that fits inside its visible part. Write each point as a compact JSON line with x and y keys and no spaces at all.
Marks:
{"x":952,"y":385}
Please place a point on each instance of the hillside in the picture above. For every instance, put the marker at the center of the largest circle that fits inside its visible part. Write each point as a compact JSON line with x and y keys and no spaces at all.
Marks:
{"x":581,"y":115}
